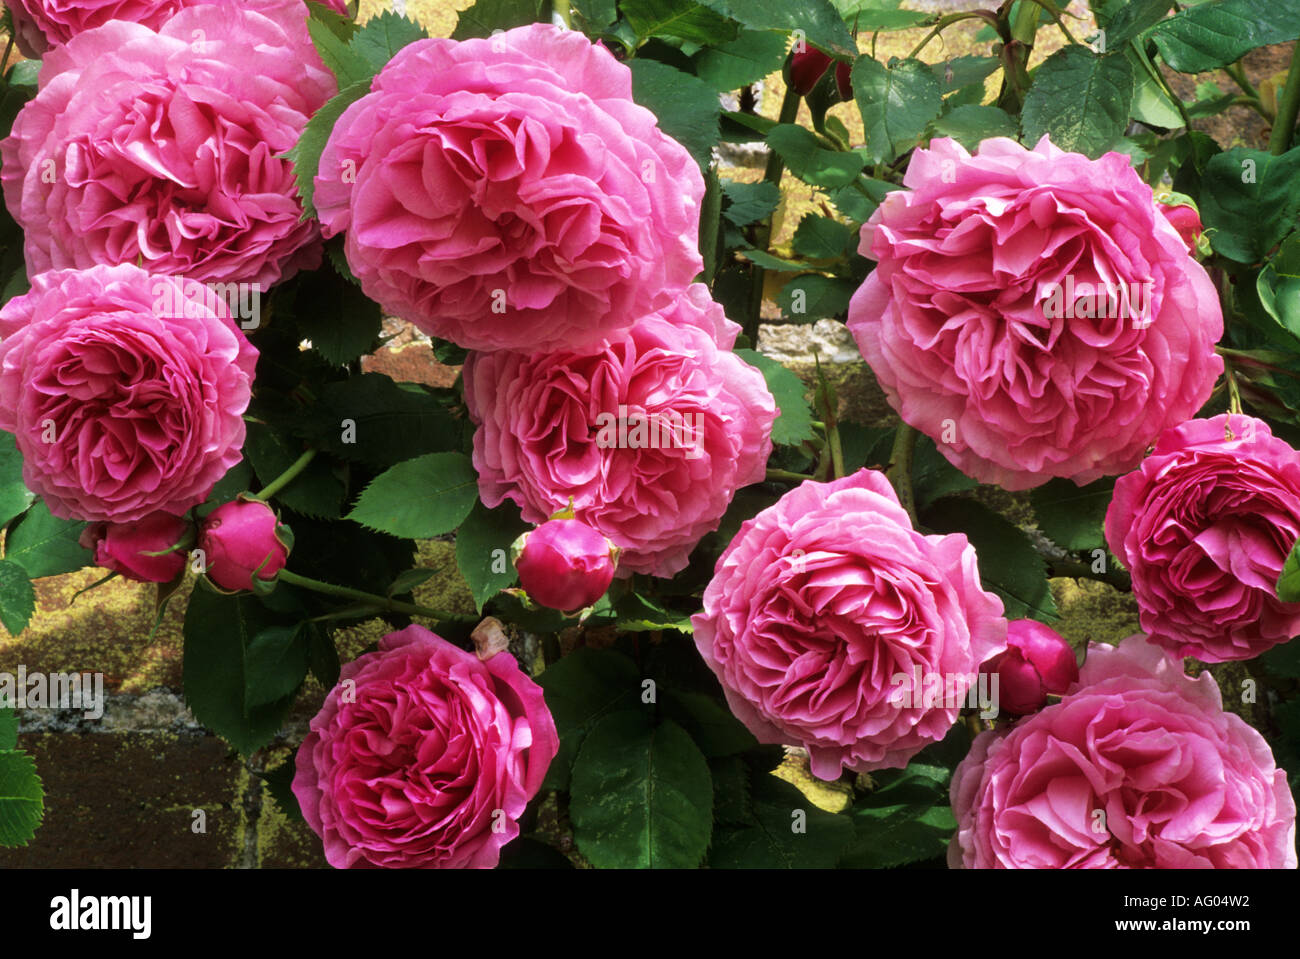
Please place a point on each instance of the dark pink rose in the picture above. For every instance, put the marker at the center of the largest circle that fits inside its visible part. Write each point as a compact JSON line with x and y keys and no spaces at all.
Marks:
{"x":424,"y":756}
{"x":809,"y":65}
{"x":507,"y":193}
{"x":1186,"y":221}
{"x":565,"y":564}
{"x":1138,"y":767}
{"x":124,"y":547}
{"x":650,"y":433}
{"x":124,"y":391}
{"x":41,"y":24}
{"x":1204,"y":525}
{"x":242,"y":539}
{"x":162,"y":148}
{"x":823,"y":610}
{"x":1033,"y":313}
{"x":1038,"y":662}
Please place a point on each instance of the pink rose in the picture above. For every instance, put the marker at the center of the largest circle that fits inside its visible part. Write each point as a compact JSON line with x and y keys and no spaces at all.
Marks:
{"x":506,"y":193}
{"x":650,"y":433}
{"x":41,"y":24}
{"x":1033,"y":313}
{"x":565,"y":564}
{"x":1038,"y":663}
{"x":823,"y":610}
{"x":1205,"y":525}
{"x":428,"y":759}
{"x":125,"y":548}
{"x":1186,"y":221}
{"x":242,"y":539}
{"x":124,"y":391}
{"x":1138,"y":767}
{"x":163,"y":148}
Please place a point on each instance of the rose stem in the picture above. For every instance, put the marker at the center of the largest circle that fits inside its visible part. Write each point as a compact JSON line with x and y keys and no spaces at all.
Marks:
{"x":1288,"y":105}
{"x":772,"y":173}
{"x":285,"y":478}
{"x":900,"y":467}
{"x":382,"y":602}
{"x":785,"y":476}
{"x":562,"y":13}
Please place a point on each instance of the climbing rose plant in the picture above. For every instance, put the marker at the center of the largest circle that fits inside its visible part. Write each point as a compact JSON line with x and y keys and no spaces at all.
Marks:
{"x":687,"y":564}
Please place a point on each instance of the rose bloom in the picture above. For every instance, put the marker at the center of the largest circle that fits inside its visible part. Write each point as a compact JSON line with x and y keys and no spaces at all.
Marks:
{"x":822,"y":602}
{"x":1137,"y":767}
{"x":41,"y":24}
{"x":428,"y":761}
{"x":506,"y":193}
{"x":650,"y":433}
{"x":983,"y":320}
{"x":125,"y":548}
{"x":1205,"y":525}
{"x":124,"y":391}
{"x":163,"y":148}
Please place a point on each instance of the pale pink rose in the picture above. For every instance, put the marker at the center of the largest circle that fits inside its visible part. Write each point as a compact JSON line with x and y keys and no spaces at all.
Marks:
{"x":424,"y":756}
{"x":124,"y":391}
{"x":1137,"y":767}
{"x":163,"y":148}
{"x":507,"y":193}
{"x":978,"y":320}
{"x":1204,"y":525}
{"x":41,"y":24}
{"x":825,"y":609}
{"x":649,"y":433}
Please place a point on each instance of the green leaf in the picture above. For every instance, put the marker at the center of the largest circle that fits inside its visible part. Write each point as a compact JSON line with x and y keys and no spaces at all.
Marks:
{"x":580,"y":690}
{"x":1249,"y":200}
{"x":1216,"y":34}
{"x":713,"y":727}
{"x":641,"y":795}
{"x":22,"y":798}
{"x":420,"y":498}
{"x":25,"y":73}
{"x":483,"y":549}
{"x":818,"y":19}
{"x":963,"y":71}
{"x":749,"y":58}
{"x":316,"y":491}
{"x":687,"y":107}
{"x":383,"y":36}
{"x":897,"y":103}
{"x":17,"y":597}
{"x":794,"y":423}
{"x":1008,"y":563}
{"x":969,"y":124}
{"x":597,"y":14}
{"x":681,"y":19}
{"x":279,"y":783}
{"x":1151,"y":105}
{"x":1133,"y":18}
{"x":1281,"y":660}
{"x":322,"y":655}
{"x":341,"y":321}
{"x":346,"y":63}
{"x":637,"y":614}
{"x":749,"y":202}
{"x":488,"y":15}
{"x":810,"y":161}
{"x":219,"y":631}
{"x":8,"y":728}
{"x":15,"y":497}
{"x":813,"y":297}
{"x":770,"y":838}
{"x":821,"y":238}
{"x":276,"y":664}
{"x":933,"y":476}
{"x":889,"y":836}
{"x":1288,"y":581}
{"x":44,"y":545}
{"x":1079,"y":99}
{"x":305,"y":155}
{"x":371,"y":419}
{"x":1073,"y":517}
{"x":882,"y":15}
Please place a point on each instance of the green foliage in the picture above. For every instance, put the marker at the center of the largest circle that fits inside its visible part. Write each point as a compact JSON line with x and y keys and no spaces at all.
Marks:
{"x":811,"y":162}
{"x":581,"y":689}
{"x":686,"y":106}
{"x":483,"y":549}
{"x":1211,"y":35}
{"x":1288,"y":581}
{"x":22,"y":798}
{"x":17,"y":597}
{"x":14,"y":495}
{"x":305,"y":155}
{"x":44,"y":545}
{"x":485,"y":16}
{"x":897,"y":103}
{"x":422,"y":497}
{"x":1080,"y":99}
{"x":1249,"y":200}
{"x":794,"y":421}
{"x":1072,"y":516}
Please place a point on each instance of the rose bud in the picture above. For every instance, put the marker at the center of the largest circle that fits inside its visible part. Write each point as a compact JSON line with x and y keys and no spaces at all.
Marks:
{"x":1037,"y":662}
{"x":1184,"y":218}
{"x":806,"y":68}
{"x":564,"y":564}
{"x":130,"y":548}
{"x":241,"y":538}
{"x":844,"y":80}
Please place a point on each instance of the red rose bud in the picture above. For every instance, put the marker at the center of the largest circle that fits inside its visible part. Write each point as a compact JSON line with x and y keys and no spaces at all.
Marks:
{"x":844,"y":80}
{"x":565,"y":564}
{"x":1186,"y":220}
{"x":241,"y":538}
{"x":806,"y":68}
{"x":1037,"y":662}
{"x":125,"y":547}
